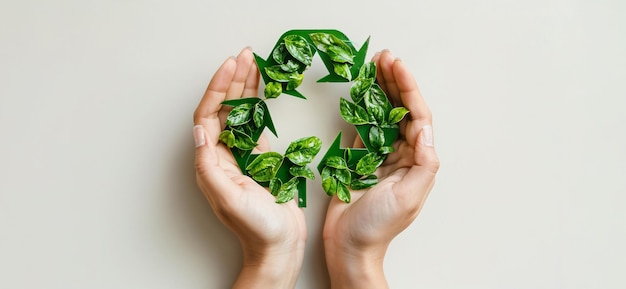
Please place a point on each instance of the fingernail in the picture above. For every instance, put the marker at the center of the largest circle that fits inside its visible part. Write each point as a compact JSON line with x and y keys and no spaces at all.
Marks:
{"x":427,"y":135}
{"x":198,"y":135}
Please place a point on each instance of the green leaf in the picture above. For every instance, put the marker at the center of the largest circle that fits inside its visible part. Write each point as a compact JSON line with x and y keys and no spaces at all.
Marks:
{"x":351,"y":113}
{"x":299,"y":48}
{"x":374,"y":109}
{"x":239,"y":114}
{"x":259,"y":115}
{"x":246,"y":130}
{"x":280,"y":53}
{"x":343,"y":70}
{"x":340,"y":54}
{"x":243,"y":141}
{"x":287,"y":191}
{"x":364,"y":183}
{"x":397,"y":114}
{"x":336,"y":162}
{"x":336,"y":49}
{"x":273,"y":89}
{"x":305,"y":172}
{"x":276,"y":73}
{"x":321,"y":40}
{"x":343,"y":193}
{"x":368,"y":70}
{"x":329,"y":184}
{"x":368,"y":164}
{"x":228,"y":138}
{"x":380,"y":97}
{"x":275,"y":185}
{"x":343,"y":176}
{"x":327,"y":172}
{"x":385,"y":150}
{"x":359,"y":88}
{"x":264,"y":167}
{"x":376,"y":137}
{"x":302,"y":151}
{"x":295,"y":79}
{"x":290,"y":66}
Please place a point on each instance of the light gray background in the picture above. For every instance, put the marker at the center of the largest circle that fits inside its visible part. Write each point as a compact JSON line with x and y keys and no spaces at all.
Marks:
{"x":96,"y":178}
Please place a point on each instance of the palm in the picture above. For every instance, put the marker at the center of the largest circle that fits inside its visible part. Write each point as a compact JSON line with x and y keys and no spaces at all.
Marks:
{"x":376,"y":209}
{"x":256,"y":208}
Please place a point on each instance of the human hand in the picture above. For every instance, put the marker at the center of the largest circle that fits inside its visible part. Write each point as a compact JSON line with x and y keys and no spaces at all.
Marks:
{"x":356,"y":235}
{"x":272,"y":235}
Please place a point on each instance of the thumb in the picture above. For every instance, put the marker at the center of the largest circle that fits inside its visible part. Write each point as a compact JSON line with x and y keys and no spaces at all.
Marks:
{"x":205,"y":149}
{"x":420,"y":178}
{"x":425,"y":155}
{"x":211,"y":178}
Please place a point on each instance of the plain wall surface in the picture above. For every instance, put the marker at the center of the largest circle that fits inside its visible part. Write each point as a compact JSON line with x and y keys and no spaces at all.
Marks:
{"x":97,"y":187}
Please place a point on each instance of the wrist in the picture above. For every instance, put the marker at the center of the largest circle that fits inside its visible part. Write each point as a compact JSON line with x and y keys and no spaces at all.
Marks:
{"x":355,"y":267}
{"x":270,"y":266}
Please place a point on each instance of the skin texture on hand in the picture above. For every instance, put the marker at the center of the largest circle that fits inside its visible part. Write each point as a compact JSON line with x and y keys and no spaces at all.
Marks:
{"x":272,"y":235}
{"x":356,"y":235}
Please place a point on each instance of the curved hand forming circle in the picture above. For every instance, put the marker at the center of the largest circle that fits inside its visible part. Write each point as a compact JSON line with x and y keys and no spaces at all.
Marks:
{"x":341,"y":169}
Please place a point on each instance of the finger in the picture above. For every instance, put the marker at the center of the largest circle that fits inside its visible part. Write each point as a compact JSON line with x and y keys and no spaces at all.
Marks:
{"x":251,"y":87}
{"x":419,"y":180}
{"x":409,"y":93}
{"x":386,"y":71}
{"x":411,"y":98}
{"x":244,"y":61}
{"x":217,"y":186}
{"x":207,"y":111}
{"x":358,"y":142}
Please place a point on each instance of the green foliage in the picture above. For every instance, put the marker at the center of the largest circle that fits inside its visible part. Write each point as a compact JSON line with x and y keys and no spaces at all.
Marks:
{"x":228,"y":138}
{"x":264,"y":167}
{"x":369,"y":163}
{"x":352,"y":113}
{"x":304,"y":172}
{"x":278,"y":74}
{"x":377,"y":137}
{"x":273,"y":90}
{"x":299,"y":48}
{"x":343,"y":70}
{"x":302,"y":151}
{"x":397,"y":114}
{"x":259,"y":114}
{"x":337,"y":50}
{"x":364,"y":183}
{"x":287,"y":191}
{"x":239,"y":115}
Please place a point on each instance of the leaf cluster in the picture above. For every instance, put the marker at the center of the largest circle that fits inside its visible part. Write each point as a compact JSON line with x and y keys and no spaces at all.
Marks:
{"x":266,"y":166}
{"x":340,"y":174}
{"x":292,"y":56}
{"x":243,"y":122}
{"x":370,"y":107}
{"x":339,"y":52}
{"x":370,"y":104}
